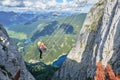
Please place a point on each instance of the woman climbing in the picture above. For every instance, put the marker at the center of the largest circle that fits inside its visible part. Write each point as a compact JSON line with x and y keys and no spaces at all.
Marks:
{"x":41,"y":48}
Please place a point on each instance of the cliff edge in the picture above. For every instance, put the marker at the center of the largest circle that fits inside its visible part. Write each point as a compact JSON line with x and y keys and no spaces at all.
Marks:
{"x":99,"y":40}
{"x":12,"y":65}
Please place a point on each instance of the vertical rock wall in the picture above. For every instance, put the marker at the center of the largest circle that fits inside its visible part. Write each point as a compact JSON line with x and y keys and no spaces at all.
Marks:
{"x":11,"y":62}
{"x":99,"y":40}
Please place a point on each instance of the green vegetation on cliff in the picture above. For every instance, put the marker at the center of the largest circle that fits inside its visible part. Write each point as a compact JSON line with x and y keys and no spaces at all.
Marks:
{"x":41,"y":71}
{"x":96,"y":16}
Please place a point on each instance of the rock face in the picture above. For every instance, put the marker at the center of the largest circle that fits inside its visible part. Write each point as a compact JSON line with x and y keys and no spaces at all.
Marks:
{"x":12,"y":66}
{"x":99,"y":40}
{"x":103,"y":73}
{"x":100,"y":73}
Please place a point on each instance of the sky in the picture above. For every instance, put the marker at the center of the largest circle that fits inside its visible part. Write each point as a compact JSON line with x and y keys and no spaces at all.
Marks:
{"x":46,"y":5}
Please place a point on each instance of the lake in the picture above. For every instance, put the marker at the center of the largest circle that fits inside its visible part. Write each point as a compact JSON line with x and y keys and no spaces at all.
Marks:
{"x":60,"y":61}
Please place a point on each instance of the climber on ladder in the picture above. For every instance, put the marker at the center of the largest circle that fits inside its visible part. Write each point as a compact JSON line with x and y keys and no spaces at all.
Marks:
{"x":41,"y":48}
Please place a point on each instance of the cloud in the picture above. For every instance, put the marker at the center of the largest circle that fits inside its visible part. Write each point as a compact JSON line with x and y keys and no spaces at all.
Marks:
{"x":11,"y":3}
{"x":69,"y":5}
{"x":51,"y":3}
{"x":28,"y":3}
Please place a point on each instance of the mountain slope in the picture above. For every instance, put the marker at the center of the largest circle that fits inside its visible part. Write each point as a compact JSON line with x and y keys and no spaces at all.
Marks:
{"x":8,"y":18}
{"x":98,"y":40}
{"x":12,"y":66}
{"x":57,"y":38}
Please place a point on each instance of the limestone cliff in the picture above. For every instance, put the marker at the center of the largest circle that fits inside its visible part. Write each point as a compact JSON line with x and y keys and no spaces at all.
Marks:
{"x":99,"y":40}
{"x":12,"y":66}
